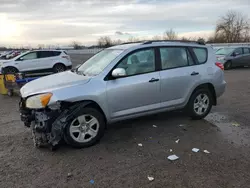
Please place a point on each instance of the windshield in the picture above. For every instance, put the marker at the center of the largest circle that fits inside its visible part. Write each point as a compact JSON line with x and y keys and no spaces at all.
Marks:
{"x":224,"y":51}
{"x":98,"y":62}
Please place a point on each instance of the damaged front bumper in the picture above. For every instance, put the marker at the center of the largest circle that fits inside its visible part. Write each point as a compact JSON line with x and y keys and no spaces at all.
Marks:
{"x":47,"y":125}
{"x":40,"y":121}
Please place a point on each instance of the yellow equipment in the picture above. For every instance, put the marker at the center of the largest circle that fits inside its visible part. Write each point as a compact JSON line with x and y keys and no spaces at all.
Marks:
{"x":3,"y":90}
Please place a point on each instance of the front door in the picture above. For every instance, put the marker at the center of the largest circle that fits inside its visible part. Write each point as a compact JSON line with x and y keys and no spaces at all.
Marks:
{"x":27,"y":62}
{"x":139,"y":91}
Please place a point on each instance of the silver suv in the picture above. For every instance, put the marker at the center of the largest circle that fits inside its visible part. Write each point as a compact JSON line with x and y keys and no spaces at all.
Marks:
{"x":119,"y":83}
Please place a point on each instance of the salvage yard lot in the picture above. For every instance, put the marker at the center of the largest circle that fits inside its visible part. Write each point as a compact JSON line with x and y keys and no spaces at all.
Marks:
{"x":118,"y":161}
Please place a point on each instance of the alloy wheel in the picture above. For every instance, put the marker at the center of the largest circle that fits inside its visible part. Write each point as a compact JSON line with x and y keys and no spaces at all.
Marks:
{"x":84,"y":128}
{"x":201,"y":104}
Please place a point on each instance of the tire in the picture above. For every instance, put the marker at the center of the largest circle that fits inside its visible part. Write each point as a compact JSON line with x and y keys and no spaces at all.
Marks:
{"x":194,"y":100}
{"x":10,"y":92}
{"x":73,"y":129}
{"x":10,"y":70}
{"x":59,"y":68}
{"x":228,"y":65}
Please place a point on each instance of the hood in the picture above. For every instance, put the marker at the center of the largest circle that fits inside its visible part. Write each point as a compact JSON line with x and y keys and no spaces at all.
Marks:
{"x":53,"y":82}
{"x":5,"y":61}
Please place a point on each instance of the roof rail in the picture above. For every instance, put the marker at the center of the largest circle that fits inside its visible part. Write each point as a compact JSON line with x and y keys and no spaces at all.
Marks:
{"x":184,"y":41}
{"x":133,"y":42}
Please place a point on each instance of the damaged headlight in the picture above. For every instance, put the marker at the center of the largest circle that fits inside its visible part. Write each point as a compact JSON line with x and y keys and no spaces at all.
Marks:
{"x":38,"y":101}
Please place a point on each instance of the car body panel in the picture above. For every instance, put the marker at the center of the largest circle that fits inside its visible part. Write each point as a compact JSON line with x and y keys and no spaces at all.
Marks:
{"x":37,"y":63}
{"x":53,"y":82}
{"x":132,"y":96}
{"x":240,"y":60}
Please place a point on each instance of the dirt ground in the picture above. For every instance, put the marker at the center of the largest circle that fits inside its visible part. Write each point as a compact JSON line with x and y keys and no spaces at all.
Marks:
{"x":118,"y":161}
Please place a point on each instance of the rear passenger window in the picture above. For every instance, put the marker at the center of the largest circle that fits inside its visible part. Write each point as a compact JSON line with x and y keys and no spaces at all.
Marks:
{"x":174,"y":57}
{"x":246,"y":50}
{"x":44,"y":54}
{"x":57,"y":53}
{"x":201,"y":54}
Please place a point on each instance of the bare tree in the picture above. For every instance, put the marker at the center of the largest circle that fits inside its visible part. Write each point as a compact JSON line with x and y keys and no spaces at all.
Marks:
{"x":40,"y":46}
{"x":216,"y":38}
{"x":76,"y":45}
{"x":117,"y":42}
{"x":104,"y":42}
{"x":170,"y":35}
{"x":156,"y":37}
{"x":233,"y":27}
{"x":133,"y":39}
{"x":185,"y":38}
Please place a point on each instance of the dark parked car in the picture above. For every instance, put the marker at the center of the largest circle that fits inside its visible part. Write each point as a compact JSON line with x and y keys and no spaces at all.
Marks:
{"x":234,"y":56}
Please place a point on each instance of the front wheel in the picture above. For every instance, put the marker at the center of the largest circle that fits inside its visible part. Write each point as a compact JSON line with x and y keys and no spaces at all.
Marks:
{"x":228,"y":65}
{"x":86,"y":129}
{"x":200,"y":104}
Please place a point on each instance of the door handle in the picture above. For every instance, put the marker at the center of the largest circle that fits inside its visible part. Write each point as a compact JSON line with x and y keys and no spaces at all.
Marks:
{"x":194,"y":73}
{"x":154,"y":80}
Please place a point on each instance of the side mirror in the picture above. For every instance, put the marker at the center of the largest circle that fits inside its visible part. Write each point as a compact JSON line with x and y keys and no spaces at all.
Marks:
{"x":77,"y":66}
{"x":119,"y":72}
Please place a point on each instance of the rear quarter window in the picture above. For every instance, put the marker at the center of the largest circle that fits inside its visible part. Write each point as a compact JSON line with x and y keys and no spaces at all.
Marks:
{"x":56,"y":53}
{"x":201,"y":54}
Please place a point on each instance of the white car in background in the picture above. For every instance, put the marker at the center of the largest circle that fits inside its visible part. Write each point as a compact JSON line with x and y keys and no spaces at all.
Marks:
{"x":37,"y":61}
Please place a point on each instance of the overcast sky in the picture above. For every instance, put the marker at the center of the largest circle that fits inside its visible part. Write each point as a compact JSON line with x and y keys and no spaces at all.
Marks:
{"x":33,"y":22}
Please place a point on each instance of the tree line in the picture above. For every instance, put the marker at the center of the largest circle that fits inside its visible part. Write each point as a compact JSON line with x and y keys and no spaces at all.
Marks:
{"x":233,"y":27}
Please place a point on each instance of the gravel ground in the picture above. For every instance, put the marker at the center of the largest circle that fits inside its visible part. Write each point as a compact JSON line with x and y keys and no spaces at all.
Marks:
{"x":118,"y":161}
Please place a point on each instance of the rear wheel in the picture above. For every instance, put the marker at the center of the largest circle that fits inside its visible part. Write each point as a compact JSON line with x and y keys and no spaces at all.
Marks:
{"x":228,"y":65}
{"x":10,"y":70}
{"x":86,"y":129}
{"x":59,"y":68}
{"x":200,"y":104}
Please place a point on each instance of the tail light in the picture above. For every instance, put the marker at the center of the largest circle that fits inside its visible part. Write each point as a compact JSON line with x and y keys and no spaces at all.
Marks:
{"x":66,"y":57}
{"x":220,"y":65}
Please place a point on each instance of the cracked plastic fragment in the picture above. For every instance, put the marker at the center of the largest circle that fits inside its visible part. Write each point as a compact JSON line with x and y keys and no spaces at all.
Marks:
{"x":173,"y":157}
{"x":236,"y":124}
{"x":205,"y":151}
{"x":150,"y":178}
{"x":195,"y":150}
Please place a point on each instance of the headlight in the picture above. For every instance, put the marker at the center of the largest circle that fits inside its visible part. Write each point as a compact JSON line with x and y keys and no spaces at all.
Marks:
{"x":38,"y":101}
{"x":221,"y":58}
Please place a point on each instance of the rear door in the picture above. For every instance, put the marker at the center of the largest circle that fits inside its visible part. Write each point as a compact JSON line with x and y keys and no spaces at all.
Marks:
{"x":27,"y":62}
{"x":178,"y":75}
{"x":238,"y":59}
{"x":246,"y":56}
{"x":46,"y":59}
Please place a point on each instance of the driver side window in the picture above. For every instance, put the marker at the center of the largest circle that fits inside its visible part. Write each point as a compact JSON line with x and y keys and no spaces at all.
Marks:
{"x":29,"y":56}
{"x":139,"y":62}
{"x":238,"y":51}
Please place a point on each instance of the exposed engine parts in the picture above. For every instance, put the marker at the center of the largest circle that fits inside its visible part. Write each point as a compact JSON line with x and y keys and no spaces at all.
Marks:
{"x":48,"y":125}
